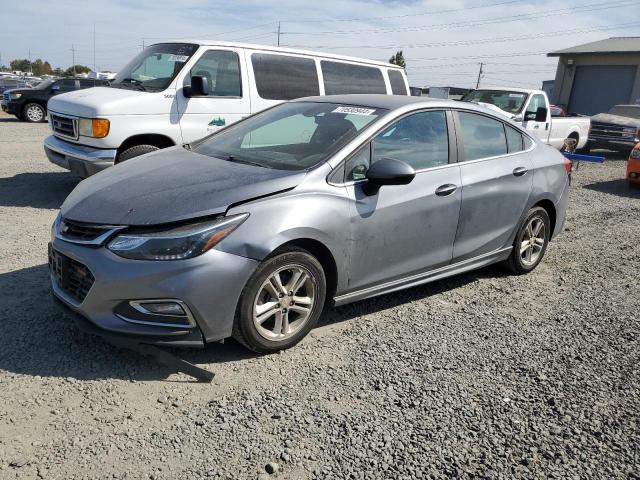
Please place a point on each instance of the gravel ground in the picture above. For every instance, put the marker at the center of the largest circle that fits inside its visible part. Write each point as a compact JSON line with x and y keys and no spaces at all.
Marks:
{"x":481,"y":376}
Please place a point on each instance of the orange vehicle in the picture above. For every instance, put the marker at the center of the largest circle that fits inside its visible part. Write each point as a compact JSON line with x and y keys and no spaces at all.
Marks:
{"x":633,"y":165}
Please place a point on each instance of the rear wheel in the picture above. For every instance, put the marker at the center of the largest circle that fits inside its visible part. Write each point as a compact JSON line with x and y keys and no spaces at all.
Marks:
{"x":136,"y":152}
{"x":34,"y":113}
{"x":531,"y":242}
{"x":281,"y":302}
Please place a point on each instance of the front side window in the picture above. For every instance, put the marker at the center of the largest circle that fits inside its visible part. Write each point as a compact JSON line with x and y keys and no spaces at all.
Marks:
{"x":482,"y":136}
{"x":508,"y":101}
{"x":537,"y":101}
{"x":155,"y":67}
{"x":282,"y":77}
{"x":396,"y":79}
{"x":221,"y":68}
{"x":67,"y":85}
{"x":290,"y":136}
{"x":344,"y":78}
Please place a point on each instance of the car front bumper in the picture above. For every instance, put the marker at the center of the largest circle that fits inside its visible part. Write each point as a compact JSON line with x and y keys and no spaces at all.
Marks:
{"x":11,"y":107}
{"x":81,"y":160}
{"x":209,"y":285}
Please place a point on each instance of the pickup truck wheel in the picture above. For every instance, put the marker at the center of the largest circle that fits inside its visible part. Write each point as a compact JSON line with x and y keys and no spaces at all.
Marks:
{"x":136,"y":152}
{"x":34,"y":113}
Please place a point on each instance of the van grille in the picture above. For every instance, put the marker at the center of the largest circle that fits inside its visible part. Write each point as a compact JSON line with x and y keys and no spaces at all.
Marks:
{"x":609,"y":131}
{"x":72,"y":277}
{"x":64,"y":126}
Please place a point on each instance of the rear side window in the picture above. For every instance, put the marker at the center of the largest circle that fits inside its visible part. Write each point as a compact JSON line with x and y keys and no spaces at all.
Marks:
{"x":221,"y":68}
{"x":396,"y":79}
{"x":514,"y":139}
{"x":280,"y":77}
{"x":482,"y":137}
{"x":344,"y":78}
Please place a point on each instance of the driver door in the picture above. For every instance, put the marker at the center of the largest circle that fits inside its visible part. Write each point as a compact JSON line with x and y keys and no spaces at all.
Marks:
{"x":405,"y":229}
{"x":228,"y":98}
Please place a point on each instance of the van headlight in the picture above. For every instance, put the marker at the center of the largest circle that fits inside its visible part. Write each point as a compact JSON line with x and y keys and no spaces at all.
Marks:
{"x":178,"y":243}
{"x":93,"y":127}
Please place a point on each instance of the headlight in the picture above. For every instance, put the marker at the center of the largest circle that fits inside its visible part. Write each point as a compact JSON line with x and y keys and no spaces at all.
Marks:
{"x":186,"y":241}
{"x":93,"y":127}
{"x":14,"y":96}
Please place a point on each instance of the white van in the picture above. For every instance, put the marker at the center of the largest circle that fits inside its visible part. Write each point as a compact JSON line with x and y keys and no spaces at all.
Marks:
{"x":175,"y":93}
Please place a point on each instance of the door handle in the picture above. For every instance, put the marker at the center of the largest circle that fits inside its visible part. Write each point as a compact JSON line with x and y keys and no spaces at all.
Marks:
{"x":446,"y":189}
{"x":520,"y":171}
{"x":536,"y":126}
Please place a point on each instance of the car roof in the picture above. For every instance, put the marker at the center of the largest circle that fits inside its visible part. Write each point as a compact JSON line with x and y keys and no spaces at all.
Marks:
{"x":295,"y":51}
{"x":507,"y":89}
{"x":390,"y":102}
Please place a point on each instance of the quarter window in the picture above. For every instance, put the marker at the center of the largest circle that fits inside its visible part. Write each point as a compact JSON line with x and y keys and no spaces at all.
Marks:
{"x":514,"y":139}
{"x":221,"y":68}
{"x":280,"y":77}
{"x":396,"y":79}
{"x":482,"y":136}
{"x":344,"y":78}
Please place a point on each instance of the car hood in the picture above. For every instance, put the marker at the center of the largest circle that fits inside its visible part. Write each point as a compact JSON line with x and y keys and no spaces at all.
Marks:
{"x":101,"y":101}
{"x":168,"y":186}
{"x":616,"y":120}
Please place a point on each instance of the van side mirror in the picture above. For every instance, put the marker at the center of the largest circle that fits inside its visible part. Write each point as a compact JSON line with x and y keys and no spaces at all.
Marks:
{"x":199,"y":87}
{"x":388,"y":171}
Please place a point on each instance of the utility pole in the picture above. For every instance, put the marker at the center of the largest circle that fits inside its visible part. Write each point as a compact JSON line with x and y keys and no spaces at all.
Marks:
{"x":29,"y":60}
{"x":278,"y":33}
{"x":73,"y":57}
{"x":142,"y":45}
{"x":479,"y":75}
{"x":94,"y":47}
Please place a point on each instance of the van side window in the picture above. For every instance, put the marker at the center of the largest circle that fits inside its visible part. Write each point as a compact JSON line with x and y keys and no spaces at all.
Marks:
{"x":281,"y":77}
{"x":482,"y":137}
{"x":514,"y":139}
{"x":221,"y":68}
{"x":343,"y":78}
{"x":396,"y":79}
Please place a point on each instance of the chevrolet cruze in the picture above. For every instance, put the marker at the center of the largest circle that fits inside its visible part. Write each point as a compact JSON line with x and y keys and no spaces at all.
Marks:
{"x":251,"y":232}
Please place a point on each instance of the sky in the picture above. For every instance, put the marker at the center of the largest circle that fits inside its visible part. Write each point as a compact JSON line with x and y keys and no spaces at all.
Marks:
{"x":443,"y":40}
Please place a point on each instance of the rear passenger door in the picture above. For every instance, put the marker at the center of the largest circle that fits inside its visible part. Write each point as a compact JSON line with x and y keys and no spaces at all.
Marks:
{"x":228,"y":98}
{"x":497,"y":175}
{"x":404,"y":229}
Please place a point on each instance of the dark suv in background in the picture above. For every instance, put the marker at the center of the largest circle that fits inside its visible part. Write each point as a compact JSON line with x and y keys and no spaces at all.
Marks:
{"x":30,"y":104}
{"x":617,"y":130}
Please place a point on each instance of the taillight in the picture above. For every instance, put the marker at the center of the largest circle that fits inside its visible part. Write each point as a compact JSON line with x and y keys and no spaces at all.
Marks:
{"x":635,"y":153}
{"x":567,"y":165}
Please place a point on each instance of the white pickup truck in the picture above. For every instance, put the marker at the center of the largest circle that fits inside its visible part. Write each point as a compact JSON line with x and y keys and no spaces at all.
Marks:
{"x":531,"y":109}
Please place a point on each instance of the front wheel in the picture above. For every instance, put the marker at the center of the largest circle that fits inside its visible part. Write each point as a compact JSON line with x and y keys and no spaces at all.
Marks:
{"x":34,"y":113}
{"x":531,"y":242}
{"x":281,"y":302}
{"x":136,"y":151}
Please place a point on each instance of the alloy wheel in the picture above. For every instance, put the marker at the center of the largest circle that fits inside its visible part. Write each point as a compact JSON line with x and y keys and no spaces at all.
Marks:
{"x":533,"y":241}
{"x":284,"y":302}
{"x":35,"y":113}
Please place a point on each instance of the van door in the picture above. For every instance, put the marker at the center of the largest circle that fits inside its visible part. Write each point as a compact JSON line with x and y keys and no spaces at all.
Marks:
{"x":539,"y":129}
{"x":228,"y":100}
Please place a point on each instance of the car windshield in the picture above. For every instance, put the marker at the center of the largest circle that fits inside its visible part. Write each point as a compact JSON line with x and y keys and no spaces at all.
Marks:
{"x":506,"y":100}
{"x":290,"y":136}
{"x":630,"y":111}
{"x":44,"y":84}
{"x":155,"y":67}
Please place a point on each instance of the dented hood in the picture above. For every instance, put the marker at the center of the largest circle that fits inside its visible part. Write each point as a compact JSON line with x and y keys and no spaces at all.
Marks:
{"x":171,"y":185}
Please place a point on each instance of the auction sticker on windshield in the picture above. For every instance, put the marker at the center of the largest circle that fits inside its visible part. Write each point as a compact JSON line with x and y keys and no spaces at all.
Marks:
{"x":354,"y":110}
{"x":178,"y":58}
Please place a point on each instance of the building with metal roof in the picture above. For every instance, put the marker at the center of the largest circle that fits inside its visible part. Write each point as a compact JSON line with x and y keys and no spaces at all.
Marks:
{"x":593,"y":77}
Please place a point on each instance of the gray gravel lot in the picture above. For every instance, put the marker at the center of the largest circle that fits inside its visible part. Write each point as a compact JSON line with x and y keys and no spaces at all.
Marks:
{"x":485,"y":375}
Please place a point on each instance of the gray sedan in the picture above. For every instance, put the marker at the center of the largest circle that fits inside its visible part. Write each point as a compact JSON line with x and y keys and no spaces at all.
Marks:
{"x":251,"y":232}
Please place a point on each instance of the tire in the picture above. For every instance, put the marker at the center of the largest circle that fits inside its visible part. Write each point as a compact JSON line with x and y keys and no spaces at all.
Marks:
{"x":34,"y":113}
{"x":524,"y":261}
{"x":263,"y":332}
{"x":136,"y":152}
{"x":19,"y":116}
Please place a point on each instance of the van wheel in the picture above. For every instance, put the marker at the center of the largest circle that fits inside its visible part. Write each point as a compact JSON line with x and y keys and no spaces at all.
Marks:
{"x":281,"y":302}
{"x":530,"y":243}
{"x":34,"y":113}
{"x":136,"y":152}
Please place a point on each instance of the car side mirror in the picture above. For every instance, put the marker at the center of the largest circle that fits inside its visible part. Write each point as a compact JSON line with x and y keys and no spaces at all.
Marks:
{"x":541,"y":114}
{"x":388,"y":171}
{"x":55,"y":88}
{"x":199,"y":87}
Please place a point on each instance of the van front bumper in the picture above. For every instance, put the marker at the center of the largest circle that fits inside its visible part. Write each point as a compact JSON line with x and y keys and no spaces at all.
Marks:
{"x":81,"y":160}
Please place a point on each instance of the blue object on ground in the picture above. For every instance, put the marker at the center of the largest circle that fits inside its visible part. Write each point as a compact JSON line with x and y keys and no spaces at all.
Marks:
{"x":583,"y":158}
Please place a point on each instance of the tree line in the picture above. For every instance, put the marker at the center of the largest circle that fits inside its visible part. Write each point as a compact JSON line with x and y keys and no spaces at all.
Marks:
{"x":42,"y":67}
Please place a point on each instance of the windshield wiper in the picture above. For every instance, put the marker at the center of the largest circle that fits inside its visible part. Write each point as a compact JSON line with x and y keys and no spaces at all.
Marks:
{"x":129,"y":82}
{"x":231,"y":158}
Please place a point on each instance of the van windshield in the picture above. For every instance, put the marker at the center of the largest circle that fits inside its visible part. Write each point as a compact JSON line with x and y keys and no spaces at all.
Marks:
{"x":290,"y":136}
{"x":506,"y":100}
{"x":155,"y":67}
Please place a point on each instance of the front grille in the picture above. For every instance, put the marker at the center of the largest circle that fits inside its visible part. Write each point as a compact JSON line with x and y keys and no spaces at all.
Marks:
{"x":607,"y":130}
{"x":72,"y":277}
{"x":64,"y":126}
{"x":5,"y":96}
{"x":83,"y":232}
